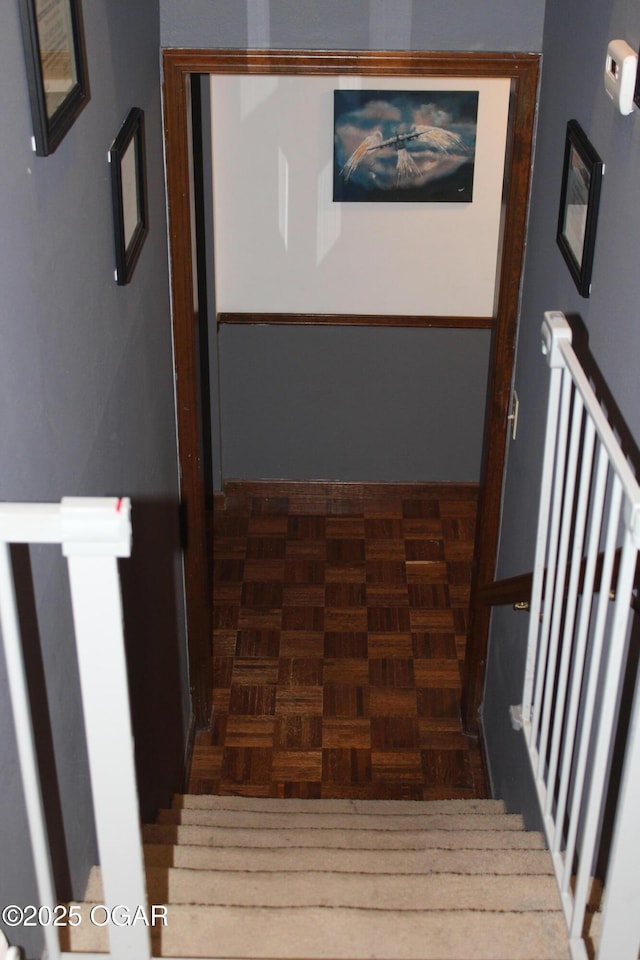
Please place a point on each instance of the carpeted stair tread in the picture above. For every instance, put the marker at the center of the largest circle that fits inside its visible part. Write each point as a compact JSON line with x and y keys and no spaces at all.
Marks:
{"x":433,"y":860}
{"x":341,"y":821}
{"x":322,"y":889}
{"x":261,"y":805}
{"x":352,"y":934}
{"x":340,"y":839}
{"x":248,"y":879}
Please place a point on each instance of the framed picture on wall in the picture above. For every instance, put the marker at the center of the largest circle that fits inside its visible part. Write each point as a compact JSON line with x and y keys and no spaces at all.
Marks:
{"x":129,"y":194}
{"x":411,"y":145}
{"x":579,"y":200}
{"x":56,"y":68}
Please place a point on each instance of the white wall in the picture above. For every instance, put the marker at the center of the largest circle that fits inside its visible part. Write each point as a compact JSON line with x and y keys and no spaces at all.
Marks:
{"x":283,"y":245}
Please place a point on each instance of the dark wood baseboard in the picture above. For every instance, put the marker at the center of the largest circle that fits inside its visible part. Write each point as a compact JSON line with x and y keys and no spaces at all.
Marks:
{"x":345,"y":490}
{"x":479,"y":737}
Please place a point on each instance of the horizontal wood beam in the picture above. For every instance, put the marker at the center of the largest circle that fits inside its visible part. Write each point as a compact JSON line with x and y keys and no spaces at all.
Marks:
{"x":403,"y":63}
{"x":357,"y":320}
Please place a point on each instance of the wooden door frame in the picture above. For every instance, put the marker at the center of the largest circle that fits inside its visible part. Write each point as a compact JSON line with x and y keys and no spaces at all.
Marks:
{"x":522,"y":70}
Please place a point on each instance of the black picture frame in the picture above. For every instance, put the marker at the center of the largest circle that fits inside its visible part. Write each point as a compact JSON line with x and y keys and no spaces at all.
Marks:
{"x":129,"y":194}
{"x":579,"y":201}
{"x":55,"y":58}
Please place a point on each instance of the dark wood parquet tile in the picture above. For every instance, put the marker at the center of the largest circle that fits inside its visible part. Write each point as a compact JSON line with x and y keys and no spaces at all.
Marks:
{"x":252,"y":700}
{"x":392,"y":733}
{"x":346,"y":733}
{"x":339,"y":630}
{"x":346,"y":700}
{"x":299,"y":732}
{"x":346,"y":645}
{"x":346,"y":765}
{"x":253,"y":731}
{"x":299,"y":701}
{"x":296,"y":766}
{"x":389,"y":645}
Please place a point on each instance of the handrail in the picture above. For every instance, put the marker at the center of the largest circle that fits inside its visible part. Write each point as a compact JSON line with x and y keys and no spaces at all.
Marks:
{"x":517,"y":590}
{"x":576,"y":660}
{"x":511,"y":590}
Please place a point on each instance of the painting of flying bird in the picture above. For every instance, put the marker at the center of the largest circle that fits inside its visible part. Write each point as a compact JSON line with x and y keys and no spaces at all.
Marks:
{"x":416,"y":145}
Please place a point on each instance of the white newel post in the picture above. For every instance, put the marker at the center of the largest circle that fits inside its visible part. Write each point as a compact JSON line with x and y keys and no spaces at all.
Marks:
{"x":554,"y":329}
{"x":93,"y":537}
{"x":25,"y":740}
{"x":93,"y":534}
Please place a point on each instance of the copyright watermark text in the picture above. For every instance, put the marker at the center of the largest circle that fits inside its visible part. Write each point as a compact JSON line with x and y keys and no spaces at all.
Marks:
{"x":70,"y":915}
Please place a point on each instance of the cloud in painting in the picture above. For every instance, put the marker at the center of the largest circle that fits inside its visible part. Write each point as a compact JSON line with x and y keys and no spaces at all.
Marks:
{"x":380,"y":110}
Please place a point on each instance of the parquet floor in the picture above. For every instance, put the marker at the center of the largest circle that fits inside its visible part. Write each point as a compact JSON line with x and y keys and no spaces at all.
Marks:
{"x":339,"y":631}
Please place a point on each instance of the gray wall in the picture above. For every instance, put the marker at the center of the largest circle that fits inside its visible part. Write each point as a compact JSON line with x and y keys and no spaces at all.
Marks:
{"x":86,"y":408}
{"x":358,"y":24}
{"x":315,"y":388}
{"x":575,"y":44}
{"x":247,"y":450}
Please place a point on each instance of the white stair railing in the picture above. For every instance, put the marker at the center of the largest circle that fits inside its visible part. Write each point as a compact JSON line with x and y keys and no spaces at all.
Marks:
{"x":93,"y":534}
{"x":589,"y":524}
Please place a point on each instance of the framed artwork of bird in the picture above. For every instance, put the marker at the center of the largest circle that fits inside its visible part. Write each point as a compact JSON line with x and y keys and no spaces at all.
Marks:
{"x":416,"y":145}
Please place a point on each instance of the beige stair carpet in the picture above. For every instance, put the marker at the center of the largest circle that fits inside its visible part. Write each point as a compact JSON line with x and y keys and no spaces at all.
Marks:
{"x":345,"y":880}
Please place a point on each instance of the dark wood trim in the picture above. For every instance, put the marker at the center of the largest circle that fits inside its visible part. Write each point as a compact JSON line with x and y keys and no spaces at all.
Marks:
{"x":357,"y":320}
{"x":198,"y":581}
{"x":518,"y":165}
{"x":188,"y":753}
{"x":333,"y":490}
{"x":518,"y":589}
{"x":468,"y":63}
{"x":510,"y":590}
{"x":178,"y":64}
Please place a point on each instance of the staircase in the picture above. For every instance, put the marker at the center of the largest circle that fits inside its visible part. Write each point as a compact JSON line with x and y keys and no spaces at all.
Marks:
{"x":395,"y":880}
{"x":339,"y":880}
